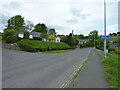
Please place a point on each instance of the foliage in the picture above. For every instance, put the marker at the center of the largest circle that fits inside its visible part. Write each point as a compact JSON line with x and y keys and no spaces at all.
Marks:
{"x":117,"y":51}
{"x":52,"y":31}
{"x":26,"y":35}
{"x":111,"y":67}
{"x":41,"y":45}
{"x":51,"y":37}
{"x":100,"y":47}
{"x":42,"y":28}
{"x":15,"y":22}
{"x":111,"y":49}
{"x":71,"y":40}
{"x":10,"y":36}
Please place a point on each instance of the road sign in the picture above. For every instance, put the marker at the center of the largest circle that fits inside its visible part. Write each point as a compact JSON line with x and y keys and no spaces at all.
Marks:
{"x":105,"y":36}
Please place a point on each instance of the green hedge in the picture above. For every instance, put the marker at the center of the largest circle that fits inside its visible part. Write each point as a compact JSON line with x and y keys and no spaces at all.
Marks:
{"x":34,"y":45}
{"x":111,"y":49}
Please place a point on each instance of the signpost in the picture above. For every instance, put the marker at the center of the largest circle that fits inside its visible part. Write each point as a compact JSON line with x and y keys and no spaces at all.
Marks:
{"x":105,"y":37}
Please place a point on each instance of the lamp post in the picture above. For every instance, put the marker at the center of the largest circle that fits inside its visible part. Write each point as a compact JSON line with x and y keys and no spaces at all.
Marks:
{"x":105,"y":28}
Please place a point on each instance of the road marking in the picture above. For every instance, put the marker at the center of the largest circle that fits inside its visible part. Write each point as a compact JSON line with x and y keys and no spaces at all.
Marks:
{"x":75,"y":72}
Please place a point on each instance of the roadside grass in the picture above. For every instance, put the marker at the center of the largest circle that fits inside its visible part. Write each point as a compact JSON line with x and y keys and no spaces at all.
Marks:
{"x":111,"y":64}
{"x":58,"y":51}
{"x":111,"y":68}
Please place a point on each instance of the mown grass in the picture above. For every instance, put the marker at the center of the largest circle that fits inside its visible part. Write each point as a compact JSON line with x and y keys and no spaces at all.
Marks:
{"x":35,"y":45}
{"x":58,"y":51}
{"x":111,"y":64}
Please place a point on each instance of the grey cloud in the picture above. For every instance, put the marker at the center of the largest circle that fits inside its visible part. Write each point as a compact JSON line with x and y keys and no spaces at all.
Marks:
{"x":56,"y":27}
{"x":78,"y":13}
{"x":12,"y":5}
{"x":72,"y":21}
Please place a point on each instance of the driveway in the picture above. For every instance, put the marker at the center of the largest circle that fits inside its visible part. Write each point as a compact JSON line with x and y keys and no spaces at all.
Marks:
{"x":38,"y":70}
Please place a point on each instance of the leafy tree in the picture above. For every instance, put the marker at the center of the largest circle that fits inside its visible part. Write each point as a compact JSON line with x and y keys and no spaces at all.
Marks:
{"x":15,"y":22}
{"x":81,"y":36}
{"x":51,"y":37}
{"x":10,"y":36}
{"x":71,"y":40}
{"x":52,"y":31}
{"x":93,"y":35}
{"x":64,"y":39}
{"x":42,"y":28}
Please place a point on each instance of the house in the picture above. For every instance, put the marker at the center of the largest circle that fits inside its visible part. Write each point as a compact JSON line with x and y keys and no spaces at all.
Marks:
{"x":115,"y":45}
{"x":57,"y":39}
{"x":21,"y":35}
{"x":83,"y":41}
{"x":35,"y":34}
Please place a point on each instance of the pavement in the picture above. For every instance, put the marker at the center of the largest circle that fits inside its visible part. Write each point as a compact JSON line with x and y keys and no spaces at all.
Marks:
{"x":93,"y":75}
{"x":39,"y":70}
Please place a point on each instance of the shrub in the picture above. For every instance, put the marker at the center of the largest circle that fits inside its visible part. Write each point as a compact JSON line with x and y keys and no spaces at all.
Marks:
{"x":10,"y":36}
{"x":12,"y":39}
{"x":111,"y":49}
{"x":26,"y":35}
{"x":99,"y":47}
{"x":117,"y":51}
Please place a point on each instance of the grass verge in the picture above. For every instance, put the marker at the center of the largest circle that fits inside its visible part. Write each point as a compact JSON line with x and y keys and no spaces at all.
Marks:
{"x":58,"y":51}
{"x":111,"y":64}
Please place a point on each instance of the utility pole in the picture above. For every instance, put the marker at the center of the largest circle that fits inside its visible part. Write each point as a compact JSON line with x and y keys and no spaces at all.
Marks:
{"x":105,"y":28}
{"x":94,"y":41}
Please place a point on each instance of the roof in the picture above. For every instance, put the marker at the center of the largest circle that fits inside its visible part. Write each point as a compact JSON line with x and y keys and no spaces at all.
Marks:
{"x":35,"y":34}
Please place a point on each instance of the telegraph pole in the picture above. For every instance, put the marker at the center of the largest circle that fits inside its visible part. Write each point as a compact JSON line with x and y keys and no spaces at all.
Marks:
{"x":105,"y":28}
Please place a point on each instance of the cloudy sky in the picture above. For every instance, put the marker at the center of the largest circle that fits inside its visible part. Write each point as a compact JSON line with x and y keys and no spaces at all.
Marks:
{"x":63,"y":15}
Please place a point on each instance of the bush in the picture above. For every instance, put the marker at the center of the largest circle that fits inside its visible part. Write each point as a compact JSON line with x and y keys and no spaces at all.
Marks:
{"x":11,"y":39}
{"x":42,"y":45}
{"x":26,"y":35}
{"x":117,"y":51}
{"x":37,"y":38}
{"x":99,"y":47}
{"x":10,"y":36}
{"x":111,"y":49}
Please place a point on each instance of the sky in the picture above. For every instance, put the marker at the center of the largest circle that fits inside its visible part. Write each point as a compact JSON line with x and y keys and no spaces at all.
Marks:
{"x":82,"y":16}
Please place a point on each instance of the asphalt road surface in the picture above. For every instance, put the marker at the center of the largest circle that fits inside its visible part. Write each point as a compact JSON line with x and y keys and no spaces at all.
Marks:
{"x":38,"y":70}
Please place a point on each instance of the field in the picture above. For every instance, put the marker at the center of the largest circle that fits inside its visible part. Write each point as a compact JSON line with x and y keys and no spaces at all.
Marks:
{"x":34,"y":45}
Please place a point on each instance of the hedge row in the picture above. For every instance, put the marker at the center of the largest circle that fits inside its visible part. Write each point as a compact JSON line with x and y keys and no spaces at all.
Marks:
{"x":34,"y":45}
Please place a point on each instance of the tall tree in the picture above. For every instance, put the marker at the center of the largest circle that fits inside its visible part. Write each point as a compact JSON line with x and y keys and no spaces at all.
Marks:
{"x":51,"y":31}
{"x":42,"y":28}
{"x":16,"y":23}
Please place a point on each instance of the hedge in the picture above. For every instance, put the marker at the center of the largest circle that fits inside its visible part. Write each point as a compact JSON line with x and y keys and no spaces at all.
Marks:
{"x":35,"y":45}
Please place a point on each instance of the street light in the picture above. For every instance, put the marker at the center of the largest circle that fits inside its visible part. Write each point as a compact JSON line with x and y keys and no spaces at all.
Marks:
{"x":105,"y":28}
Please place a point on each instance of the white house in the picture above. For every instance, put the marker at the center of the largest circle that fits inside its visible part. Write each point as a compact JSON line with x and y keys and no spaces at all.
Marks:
{"x":57,"y":39}
{"x":21,"y":35}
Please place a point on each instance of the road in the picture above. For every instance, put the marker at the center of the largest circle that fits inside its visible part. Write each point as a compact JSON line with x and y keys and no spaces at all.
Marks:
{"x":39,"y":70}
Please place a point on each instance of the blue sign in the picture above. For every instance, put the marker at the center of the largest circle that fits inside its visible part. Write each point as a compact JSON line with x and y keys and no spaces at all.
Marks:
{"x":105,"y":36}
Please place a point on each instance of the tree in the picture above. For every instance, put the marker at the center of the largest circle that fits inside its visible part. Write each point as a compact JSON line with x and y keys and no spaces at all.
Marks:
{"x":10,"y":36}
{"x":71,"y":40}
{"x":81,"y":36}
{"x":51,"y":37}
{"x":52,"y":31}
{"x":93,"y":35}
{"x":15,"y":22}
{"x":29,"y":26}
{"x":42,"y":28}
